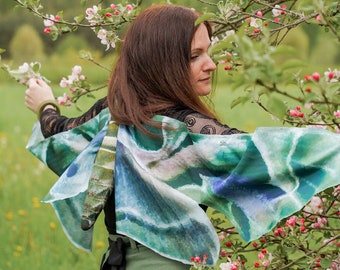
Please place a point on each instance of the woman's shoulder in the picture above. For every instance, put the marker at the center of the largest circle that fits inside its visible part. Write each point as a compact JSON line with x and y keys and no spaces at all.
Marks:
{"x":199,"y":123}
{"x":178,"y":113}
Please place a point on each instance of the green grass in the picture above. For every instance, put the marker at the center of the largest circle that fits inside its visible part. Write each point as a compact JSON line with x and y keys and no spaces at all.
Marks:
{"x":31,"y":236}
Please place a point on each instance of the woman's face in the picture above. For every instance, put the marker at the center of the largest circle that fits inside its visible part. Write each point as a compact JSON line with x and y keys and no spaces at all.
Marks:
{"x":201,"y":65}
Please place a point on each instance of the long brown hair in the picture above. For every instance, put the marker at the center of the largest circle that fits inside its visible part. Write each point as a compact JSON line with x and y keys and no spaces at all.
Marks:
{"x":153,"y":69}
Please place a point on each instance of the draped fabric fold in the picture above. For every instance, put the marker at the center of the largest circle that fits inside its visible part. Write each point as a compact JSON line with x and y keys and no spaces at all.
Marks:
{"x":254,"y":179}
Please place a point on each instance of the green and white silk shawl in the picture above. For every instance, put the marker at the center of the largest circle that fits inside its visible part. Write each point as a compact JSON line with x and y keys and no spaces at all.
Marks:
{"x":254,"y":179}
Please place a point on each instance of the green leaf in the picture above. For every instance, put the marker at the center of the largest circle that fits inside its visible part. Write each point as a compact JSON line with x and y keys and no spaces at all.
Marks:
{"x":325,"y":263}
{"x":309,"y":97}
{"x":204,"y":17}
{"x":283,"y":49}
{"x":292,"y":63}
{"x":79,"y":18}
{"x":222,"y":45}
{"x":85,"y":55}
{"x":239,"y":100}
{"x":276,"y":107}
{"x":2,"y":50}
{"x":36,"y":67}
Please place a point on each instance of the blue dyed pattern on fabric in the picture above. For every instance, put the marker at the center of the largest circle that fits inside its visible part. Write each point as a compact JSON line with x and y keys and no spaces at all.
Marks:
{"x":159,"y":183}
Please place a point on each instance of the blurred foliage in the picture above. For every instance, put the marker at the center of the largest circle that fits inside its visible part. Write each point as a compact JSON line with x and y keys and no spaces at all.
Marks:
{"x":26,"y":44}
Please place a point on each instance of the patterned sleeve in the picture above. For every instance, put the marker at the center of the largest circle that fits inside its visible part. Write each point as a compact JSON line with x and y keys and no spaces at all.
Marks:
{"x":199,"y":123}
{"x":52,"y":122}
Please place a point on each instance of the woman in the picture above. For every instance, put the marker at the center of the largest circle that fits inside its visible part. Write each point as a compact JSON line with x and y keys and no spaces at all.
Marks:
{"x":165,"y":74}
{"x":163,"y":69}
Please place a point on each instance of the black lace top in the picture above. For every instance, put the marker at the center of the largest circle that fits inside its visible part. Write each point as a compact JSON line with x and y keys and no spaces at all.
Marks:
{"x":52,"y":122}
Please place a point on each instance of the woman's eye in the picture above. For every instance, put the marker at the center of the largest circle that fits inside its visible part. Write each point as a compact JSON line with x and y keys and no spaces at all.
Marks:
{"x":193,"y":57}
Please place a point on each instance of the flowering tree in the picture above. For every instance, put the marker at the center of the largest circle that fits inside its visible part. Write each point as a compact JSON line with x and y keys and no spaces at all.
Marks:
{"x":248,"y":37}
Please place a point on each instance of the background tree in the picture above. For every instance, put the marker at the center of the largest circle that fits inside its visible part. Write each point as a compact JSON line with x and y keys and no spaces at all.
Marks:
{"x":26,"y":44}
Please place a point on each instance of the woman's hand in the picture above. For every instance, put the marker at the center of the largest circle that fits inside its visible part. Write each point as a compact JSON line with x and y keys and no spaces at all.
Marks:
{"x":37,"y":92}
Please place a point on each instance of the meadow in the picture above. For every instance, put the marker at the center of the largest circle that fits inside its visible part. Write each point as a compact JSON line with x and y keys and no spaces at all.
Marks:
{"x":31,"y":236}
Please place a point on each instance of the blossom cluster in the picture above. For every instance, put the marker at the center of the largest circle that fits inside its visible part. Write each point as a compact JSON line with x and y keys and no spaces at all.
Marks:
{"x":103,"y":21}
{"x":315,"y":226}
{"x":100,"y":17}
{"x":77,"y":84}
{"x":198,"y":262}
{"x":313,"y":85}
{"x":25,"y":72}
{"x":256,"y":23}
{"x":50,"y":23}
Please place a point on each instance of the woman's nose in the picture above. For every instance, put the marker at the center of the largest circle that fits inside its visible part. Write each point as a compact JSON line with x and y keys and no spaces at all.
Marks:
{"x":209,"y":64}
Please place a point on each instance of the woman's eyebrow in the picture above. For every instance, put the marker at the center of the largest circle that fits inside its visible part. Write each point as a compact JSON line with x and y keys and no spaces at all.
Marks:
{"x":201,"y":48}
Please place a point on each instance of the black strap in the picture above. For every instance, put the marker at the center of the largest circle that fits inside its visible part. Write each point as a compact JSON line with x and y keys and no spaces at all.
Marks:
{"x":114,"y":258}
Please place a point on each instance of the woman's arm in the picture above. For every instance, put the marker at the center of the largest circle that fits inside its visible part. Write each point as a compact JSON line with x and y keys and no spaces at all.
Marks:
{"x":52,"y":122}
{"x":38,"y":93}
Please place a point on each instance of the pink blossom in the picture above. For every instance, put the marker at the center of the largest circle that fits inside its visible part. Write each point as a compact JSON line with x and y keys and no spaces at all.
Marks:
{"x":276,"y":11}
{"x":129,"y":7}
{"x":337,"y":114}
{"x":260,"y":256}
{"x":293,"y":113}
{"x":47,"y":30}
{"x":64,"y":82}
{"x":266,"y":263}
{"x":102,"y":33}
{"x":223,"y":253}
{"x":76,"y":70}
{"x":314,"y":206}
{"x":221,"y":237}
{"x":332,"y":75}
{"x":280,"y":232}
{"x":308,"y":77}
{"x":308,"y":105}
{"x":317,"y":225}
{"x":316,"y":76}
{"x":254,"y":22}
{"x":50,"y":21}
{"x":336,"y":191}
{"x":91,"y":12}
{"x":291,"y":221}
{"x":229,"y":265}
{"x":323,"y":220}
{"x":63,"y":100}
{"x":24,"y":68}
